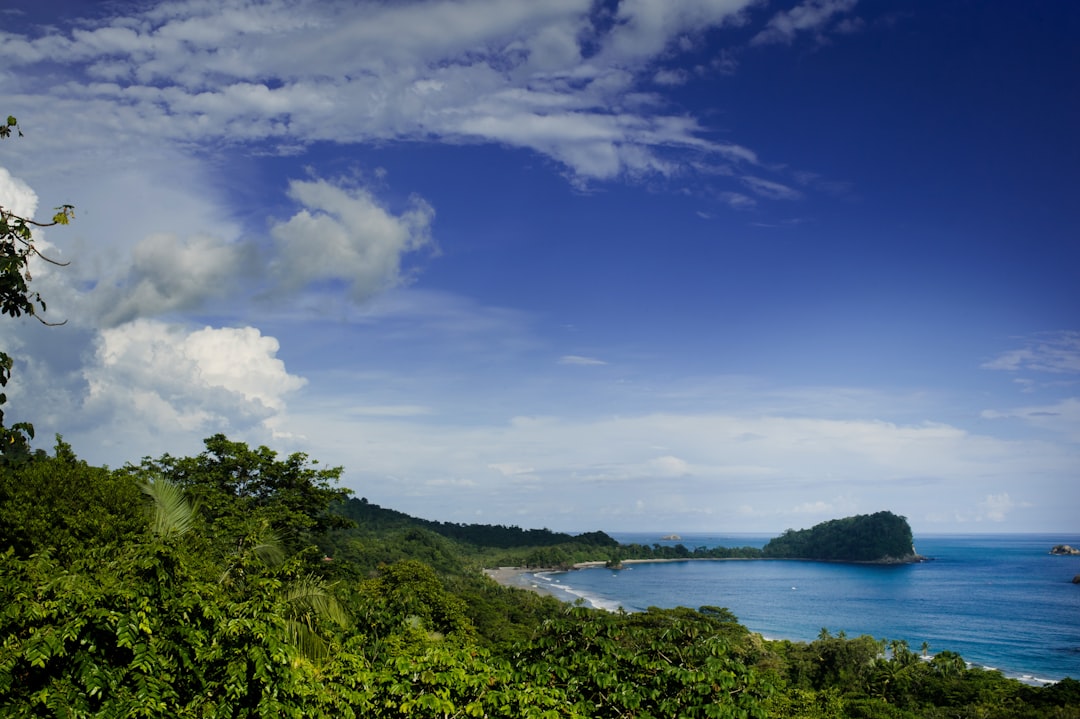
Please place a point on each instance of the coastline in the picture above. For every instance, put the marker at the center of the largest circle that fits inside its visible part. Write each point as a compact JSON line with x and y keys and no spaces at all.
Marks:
{"x":522,"y":577}
{"x":518,"y":577}
{"x":958,"y":560}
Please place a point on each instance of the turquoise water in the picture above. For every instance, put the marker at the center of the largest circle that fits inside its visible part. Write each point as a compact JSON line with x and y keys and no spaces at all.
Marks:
{"x":1001,"y":601}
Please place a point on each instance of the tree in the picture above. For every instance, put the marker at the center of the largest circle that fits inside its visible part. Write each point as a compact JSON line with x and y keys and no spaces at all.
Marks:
{"x":63,"y":505}
{"x":16,"y":299}
{"x":238,"y":488}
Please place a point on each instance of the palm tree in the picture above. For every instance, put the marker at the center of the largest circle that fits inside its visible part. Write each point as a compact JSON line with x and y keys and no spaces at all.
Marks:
{"x":308,"y":599}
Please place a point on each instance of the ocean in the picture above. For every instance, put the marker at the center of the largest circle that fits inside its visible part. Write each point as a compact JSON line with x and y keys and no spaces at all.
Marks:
{"x":1001,"y":601}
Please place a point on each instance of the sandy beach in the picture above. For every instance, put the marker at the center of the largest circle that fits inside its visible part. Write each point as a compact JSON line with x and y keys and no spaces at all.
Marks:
{"x":520,"y":578}
{"x":523,"y":577}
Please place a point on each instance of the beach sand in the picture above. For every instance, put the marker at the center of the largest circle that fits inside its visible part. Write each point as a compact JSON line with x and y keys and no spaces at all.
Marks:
{"x":520,"y":578}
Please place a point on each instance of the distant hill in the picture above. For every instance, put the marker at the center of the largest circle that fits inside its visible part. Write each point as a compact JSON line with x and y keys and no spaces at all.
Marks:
{"x":881,"y":537}
{"x":371,"y":516}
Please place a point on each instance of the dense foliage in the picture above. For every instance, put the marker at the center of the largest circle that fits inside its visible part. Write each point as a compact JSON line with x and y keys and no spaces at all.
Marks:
{"x":231,"y":584}
{"x":882,"y":536}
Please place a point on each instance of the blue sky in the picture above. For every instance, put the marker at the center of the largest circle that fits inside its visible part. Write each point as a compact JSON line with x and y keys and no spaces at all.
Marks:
{"x":710,"y":265}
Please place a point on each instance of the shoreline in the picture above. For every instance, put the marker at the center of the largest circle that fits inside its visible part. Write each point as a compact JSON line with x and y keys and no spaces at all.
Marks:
{"x":523,"y":578}
{"x":516,"y":577}
{"x":520,"y":578}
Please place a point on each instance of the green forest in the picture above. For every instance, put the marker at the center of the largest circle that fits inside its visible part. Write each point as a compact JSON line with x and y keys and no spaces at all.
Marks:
{"x":238,"y":583}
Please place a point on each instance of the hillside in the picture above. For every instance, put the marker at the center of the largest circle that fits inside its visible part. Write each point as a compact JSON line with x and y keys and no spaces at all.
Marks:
{"x":372,"y":516}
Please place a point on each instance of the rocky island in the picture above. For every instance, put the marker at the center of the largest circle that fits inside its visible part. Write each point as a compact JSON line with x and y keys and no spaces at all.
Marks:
{"x":1064,"y":549}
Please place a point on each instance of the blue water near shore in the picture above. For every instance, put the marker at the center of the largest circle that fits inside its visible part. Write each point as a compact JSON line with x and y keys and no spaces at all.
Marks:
{"x":1001,"y":601}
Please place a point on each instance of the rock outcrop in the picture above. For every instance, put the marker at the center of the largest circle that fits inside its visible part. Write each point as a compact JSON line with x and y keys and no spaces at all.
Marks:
{"x":1064,"y":549}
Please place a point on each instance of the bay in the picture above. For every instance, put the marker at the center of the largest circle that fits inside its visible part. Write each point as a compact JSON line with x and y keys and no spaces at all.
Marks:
{"x":1001,"y":601}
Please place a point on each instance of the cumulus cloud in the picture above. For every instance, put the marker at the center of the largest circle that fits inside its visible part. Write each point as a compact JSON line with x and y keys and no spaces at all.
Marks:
{"x":346,"y":235}
{"x":16,"y":196}
{"x":168,"y":274}
{"x":808,"y":16}
{"x":169,"y":379}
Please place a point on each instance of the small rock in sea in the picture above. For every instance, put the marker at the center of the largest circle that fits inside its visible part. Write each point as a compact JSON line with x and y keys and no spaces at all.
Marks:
{"x":1076,"y":579}
{"x":1064,"y":549}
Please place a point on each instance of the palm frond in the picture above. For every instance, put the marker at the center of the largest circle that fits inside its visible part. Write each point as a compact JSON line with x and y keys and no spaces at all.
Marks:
{"x":172,"y":514}
{"x":269,"y":550}
{"x":302,"y":636}
{"x":310,"y":595}
{"x":308,"y":600}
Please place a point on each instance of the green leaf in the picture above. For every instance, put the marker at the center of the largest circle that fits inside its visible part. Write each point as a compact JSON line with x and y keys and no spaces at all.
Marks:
{"x":173,"y":514}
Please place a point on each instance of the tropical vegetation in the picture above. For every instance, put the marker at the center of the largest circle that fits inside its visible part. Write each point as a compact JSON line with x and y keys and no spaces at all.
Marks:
{"x":878,"y":537}
{"x":238,"y":583}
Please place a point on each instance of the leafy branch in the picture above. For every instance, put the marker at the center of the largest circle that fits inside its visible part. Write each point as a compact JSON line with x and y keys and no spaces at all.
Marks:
{"x":16,"y":298}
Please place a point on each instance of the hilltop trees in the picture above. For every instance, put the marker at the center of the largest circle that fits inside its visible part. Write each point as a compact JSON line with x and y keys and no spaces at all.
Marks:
{"x":237,"y":487}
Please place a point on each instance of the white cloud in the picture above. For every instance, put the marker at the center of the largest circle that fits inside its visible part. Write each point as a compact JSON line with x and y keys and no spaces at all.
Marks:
{"x":995,"y":507}
{"x":167,"y":379}
{"x":677,"y":76}
{"x":581,"y":361}
{"x":169,"y":274}
{"x":808,"y":513}
{"x":668,"y":466}
{"x":598,"y":467}
{"x":16,"y":196}
{"x":738,"y":200}
{"x":809,"y":16}
{"x":551,"y":77}
{"x":513,"y":469}
{"x":770,"y":189}
{"x":347,"y":235}
{"x":644,"y":28}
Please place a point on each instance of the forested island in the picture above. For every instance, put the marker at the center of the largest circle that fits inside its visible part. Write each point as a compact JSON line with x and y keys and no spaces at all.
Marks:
{"x":237,"y":583}
{"x":879,"y":538}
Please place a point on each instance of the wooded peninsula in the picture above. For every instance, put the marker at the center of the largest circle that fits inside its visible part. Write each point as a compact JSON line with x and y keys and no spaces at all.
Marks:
{"x":237,"y":583}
